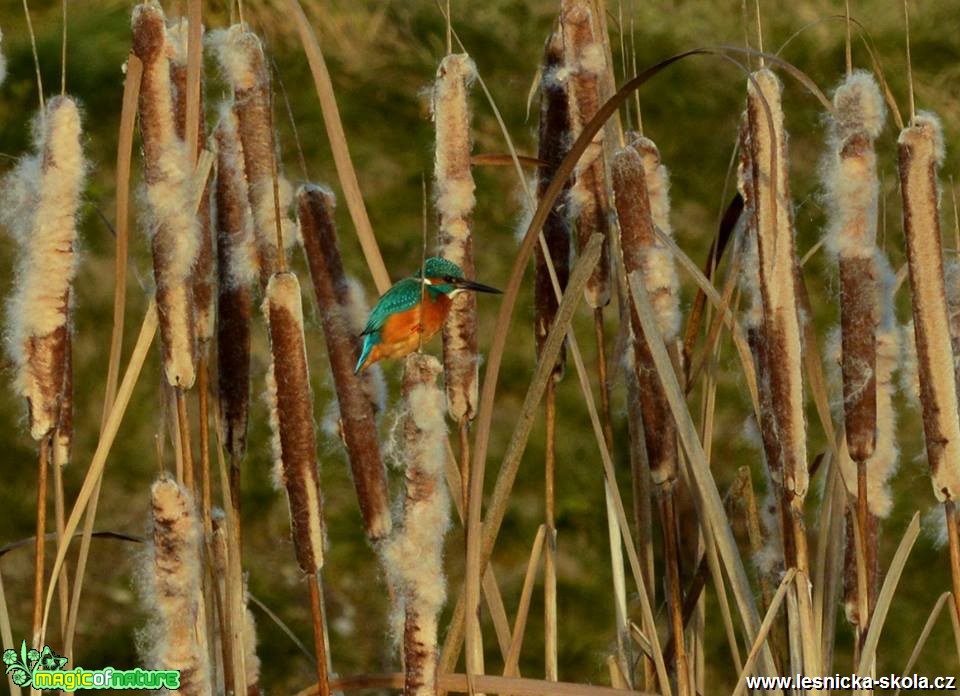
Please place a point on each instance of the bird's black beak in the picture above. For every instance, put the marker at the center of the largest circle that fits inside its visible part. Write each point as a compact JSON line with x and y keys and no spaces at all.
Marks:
{"x":476,"y":287}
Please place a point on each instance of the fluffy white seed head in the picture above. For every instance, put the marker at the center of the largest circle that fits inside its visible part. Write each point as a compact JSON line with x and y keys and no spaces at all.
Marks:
{"x":237,"y":52}
{"x":859,"y":105}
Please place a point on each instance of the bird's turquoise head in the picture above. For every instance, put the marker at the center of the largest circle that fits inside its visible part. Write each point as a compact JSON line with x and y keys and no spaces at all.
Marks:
{"x":445,"y":277}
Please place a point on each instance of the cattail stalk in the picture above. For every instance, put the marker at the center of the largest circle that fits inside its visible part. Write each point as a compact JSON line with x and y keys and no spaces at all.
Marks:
{"x":554,"y":143}
{"x":294,"y":443}
{"x":782,"y":335}
{"x":173,"y":584}
{"x":242,"y":61}
{"x":357,"y":417}
{"x":641,"y":187}
{"x":172,"y":225}
{"x":413,"y":554}
{"x":237,"y":264}
{"x":921,"y":153}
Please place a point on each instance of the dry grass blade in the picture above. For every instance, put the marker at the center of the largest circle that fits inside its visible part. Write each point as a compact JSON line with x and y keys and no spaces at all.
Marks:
{"x":772,"y":612}
{"x":90,"y":482}
{"x":511,"y":666}
{"x":713,"y":513}
{"x":338,"y":144}
{"x":885,"y":597}
{"x":924,"y":634}
{"x":358,"y":425}
{"x":6,"y":633}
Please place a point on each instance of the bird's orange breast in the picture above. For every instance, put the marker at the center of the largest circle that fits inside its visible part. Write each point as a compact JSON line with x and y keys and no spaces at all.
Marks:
{"x":400,"y":327}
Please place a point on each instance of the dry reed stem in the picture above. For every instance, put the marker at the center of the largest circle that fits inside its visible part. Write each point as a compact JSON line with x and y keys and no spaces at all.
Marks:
{"x":413,"y":555}
{"x":40,"y":201}
{"x":921,"y":153}
{"x":358,"y":423}
{"x":203,"y":268}
{"x":173,"y":588}
{"x":291,"y":419}
{"x":172,"y":226}
{"x":244,"y":67}
{"x":584,"y":67}
{"x":237,"y":269}
{"x":777,"y":257}
{"x":454,"y":191}
{"x":553,"y":144}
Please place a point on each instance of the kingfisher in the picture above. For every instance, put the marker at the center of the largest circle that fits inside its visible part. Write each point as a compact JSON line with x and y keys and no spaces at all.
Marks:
{"x":398,"y":322}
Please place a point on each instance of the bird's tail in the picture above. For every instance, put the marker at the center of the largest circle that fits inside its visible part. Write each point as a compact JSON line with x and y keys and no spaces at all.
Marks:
{"x":368,"y":343}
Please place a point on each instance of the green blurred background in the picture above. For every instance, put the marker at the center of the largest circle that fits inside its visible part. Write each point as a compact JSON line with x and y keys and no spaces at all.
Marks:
{"x":382,"y":55}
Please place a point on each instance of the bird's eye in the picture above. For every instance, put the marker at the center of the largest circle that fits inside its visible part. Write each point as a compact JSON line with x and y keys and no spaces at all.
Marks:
{"x":448,"y":279}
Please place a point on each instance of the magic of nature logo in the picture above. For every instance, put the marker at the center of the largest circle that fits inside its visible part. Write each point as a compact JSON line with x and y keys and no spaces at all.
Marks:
{"x":44,"y":670}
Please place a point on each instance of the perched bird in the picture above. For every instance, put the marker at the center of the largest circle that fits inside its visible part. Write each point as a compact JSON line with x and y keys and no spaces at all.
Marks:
{"x":398,"y":319}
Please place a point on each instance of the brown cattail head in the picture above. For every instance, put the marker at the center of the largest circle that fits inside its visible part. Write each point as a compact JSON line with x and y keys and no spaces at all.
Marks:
{"x":63,"y":439}
{"x":357,"y":417}
{"x":921,"y":153}
{"x":203,"y":268}
{"x":850,"y":178}
{"x":882,"y":463}
{"x":3,"y":62}
{"x":585,"y":64}
{"x":778,"y":272}
{"x":237,"y":269}
{"x":39,"y":207}
{"x":644,"y":254}
{"x":413,"y":554}
{"x":455,"y":201}
{"x":554,"y":143}
{"x":244,"y":67}
{"x":172,"y":224}
{"x":173,"y":589}
{"x":291,"y":419}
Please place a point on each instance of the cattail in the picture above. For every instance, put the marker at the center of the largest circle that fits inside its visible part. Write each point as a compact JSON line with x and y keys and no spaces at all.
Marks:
{"x":357,"y":417}
{"x":852,"y":192}
{"x":244,"y":68}
{"x":778,"y":267}
{"x":203,"y":276}
{"x":176,"y":639}
{"x":413,"y":554}
{"x":644,"y":253}
{"x":63,"y":439}
{"x":554,"y":143}
{"x":171,"y":224}
{"x":353,"y":301}
{"x":291,"y":419}
{"x":238,"y":271}
{"x":585,"y":64}
{"x":39,"y":208}
{"x":921,"y":153}
{"x":455,"y":201}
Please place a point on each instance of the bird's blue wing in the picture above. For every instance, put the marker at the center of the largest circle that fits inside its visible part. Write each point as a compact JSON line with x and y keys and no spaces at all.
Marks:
{"x":402,"y":296}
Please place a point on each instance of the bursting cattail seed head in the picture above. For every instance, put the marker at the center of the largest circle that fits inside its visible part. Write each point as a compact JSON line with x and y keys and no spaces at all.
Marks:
{"x":643,"y":253}
{"x":203,"y":269}
{"x":413,"y":554}
{"x":357,"y":416}
{"x":921,"y":153}
{"x":171,"y":224}
{"x":172,"y":589}
{"x":291,"y":419}
{"x":584,"y":67}
{"x":554,"y":143}
{"x":39,"y":206}
{"x":238,"y":272}
{"x":243,"y":65}
{"x":850,"y":179}
{"x":455,"y":201}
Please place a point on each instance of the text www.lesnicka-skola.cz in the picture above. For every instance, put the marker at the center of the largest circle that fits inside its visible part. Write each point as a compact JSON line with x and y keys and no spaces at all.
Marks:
{"x":855,"y":682}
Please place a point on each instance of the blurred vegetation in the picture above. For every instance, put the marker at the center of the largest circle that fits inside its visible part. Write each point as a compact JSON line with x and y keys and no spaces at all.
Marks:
{"x":382,"y":55}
